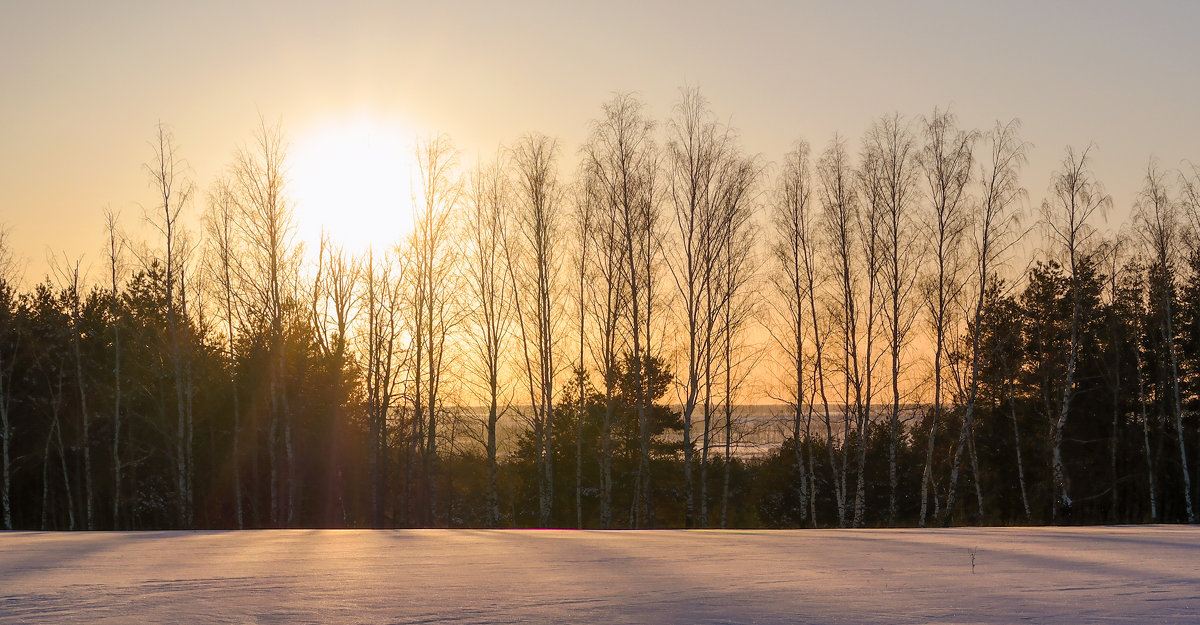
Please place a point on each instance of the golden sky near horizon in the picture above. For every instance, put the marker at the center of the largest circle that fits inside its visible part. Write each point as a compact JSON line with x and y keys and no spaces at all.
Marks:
{"x":83,"y":85}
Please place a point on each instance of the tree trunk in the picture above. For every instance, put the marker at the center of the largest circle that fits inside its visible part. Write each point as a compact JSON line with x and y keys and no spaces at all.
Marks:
{"x":5,"y":435}
{"x":493,"y":499}
{"x":977,"y":477}
{"x":62,"y":459}
{"x":83,"y":408}
{"x":728,"y":456}
{"x":1112,"y":460}
{"x":894,"y":427}
{"x":1169,"y":340}
{"x":181,"y":485}
{"x":116,"y":436}
{"x":606,"y":456}
{"x":1146,"y":437}
{"x":1060,"y":476}
{"x":706,"y":437}
{"x":580,"y":417}
{"x":237,"y":435}
{"x":927,"y":474}
{"x":1012,"y":412}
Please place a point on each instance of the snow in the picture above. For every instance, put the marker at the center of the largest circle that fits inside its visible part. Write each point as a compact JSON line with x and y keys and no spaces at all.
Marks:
{"x":1042,"y":575}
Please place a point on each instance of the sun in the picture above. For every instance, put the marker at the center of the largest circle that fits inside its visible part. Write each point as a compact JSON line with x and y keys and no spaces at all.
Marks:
{"x":351,"y":179}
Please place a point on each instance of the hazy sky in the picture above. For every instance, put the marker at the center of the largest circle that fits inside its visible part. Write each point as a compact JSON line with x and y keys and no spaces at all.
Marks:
{"x":83,"y":84}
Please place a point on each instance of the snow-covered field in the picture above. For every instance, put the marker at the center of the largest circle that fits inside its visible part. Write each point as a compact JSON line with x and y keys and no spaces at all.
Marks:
{"x":1146,"y":575}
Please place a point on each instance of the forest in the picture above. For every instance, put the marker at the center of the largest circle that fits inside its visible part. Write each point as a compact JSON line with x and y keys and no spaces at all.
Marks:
{"x":673,"y":333}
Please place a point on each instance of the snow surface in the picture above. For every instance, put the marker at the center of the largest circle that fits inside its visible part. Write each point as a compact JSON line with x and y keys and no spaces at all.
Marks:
{"x":1042,"y":575}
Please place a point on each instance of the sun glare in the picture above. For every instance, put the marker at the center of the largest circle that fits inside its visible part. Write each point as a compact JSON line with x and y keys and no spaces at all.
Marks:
{"x":351,"y":179}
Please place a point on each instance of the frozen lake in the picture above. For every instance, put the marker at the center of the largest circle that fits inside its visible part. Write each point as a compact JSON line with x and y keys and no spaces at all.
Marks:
{"x":1042,"y":575}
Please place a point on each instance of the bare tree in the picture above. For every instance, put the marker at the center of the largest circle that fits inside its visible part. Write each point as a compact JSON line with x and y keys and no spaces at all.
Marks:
{"x":1189,"y":197}
{"x":1113,"y":256}
{"x":735,"y":279}
{"x":794,"y":280}
{"x":432,"y":272}
{"x":1011,"y":384}
{"x":1074,"y":198}
{"x":607,"y":301}
{"x":875,"y":190}
{"x":192,"y":311}
{"x":1189,"y":200}
{"x":622,"y":160}
{"x":114,"y":247}
{"x":584,"y":211}
{"x":696,"y":153}
{"x":1159,"y":223}
{"x":897,"y":179}
{"x":992,"y":227}
{"x":9,"y":339}
{"x":222,"y":272}
{"x":69,"y":275}
{"x":333,"y":306}
{"x":946,"y":159}
{"x":1142,"y":400}
{"x":486,"y":221}
{"x":384,"y":362}
{"x":55,"y":376}
{"x":168,"y":175}
{"x":536,"y":264}
{"x":271,"y":265}
{"x":809,"y":230}
{"x":839,"y":203}
{"x":333,"y":298}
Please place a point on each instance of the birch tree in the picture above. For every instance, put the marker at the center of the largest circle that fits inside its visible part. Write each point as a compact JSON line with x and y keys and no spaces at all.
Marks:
{"x":537,"y":267}
{"x":735,"y":280}
{"x":873,"y":186}
{"x":623,"y":161}
{"x":381,"y":305}
{"x":695,"y":154}
{"x":992,"y":228}
{"x":270,"y":264}
{"x":114,"y":246}
{"x":486,"y":219}
{"x":221,"y":230}
{"x":1142,"y":399}
{"x":1074,"y":198}
{"x":173,"y":188}
{"x":898,"y":181}
{"x":839,"y":203}
{"x":607,"y":302}
{"x":584,"y":212}
{"x":433,"y":262}
{"x":9,"y":339}
{"x":72,"y":290}
{"x":795,"y":281}
{"x":333,"y":308}
{"x":1120,"y":318}
{"x":1159,"y":224}
{"x":946,"y":159}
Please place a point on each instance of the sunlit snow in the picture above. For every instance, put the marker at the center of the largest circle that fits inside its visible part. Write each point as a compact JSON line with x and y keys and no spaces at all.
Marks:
{"x":1050,"y":575}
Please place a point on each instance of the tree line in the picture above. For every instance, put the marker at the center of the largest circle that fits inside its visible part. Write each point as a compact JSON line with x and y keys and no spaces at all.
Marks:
{"x":675,"y":334}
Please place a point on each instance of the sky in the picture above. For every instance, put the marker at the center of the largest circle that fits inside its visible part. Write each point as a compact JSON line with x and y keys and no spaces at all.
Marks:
{"x":84,"y":84}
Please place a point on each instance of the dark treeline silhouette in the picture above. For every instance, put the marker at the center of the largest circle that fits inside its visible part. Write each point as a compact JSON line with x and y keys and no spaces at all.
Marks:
{"x":595,"y":349}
